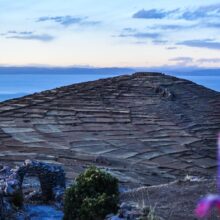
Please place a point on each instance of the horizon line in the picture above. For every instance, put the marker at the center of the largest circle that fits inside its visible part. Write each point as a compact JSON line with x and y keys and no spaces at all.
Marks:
{"x":106,"y":67}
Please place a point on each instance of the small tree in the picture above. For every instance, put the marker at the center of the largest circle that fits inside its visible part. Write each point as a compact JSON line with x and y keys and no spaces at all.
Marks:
{"x":94,"y":195}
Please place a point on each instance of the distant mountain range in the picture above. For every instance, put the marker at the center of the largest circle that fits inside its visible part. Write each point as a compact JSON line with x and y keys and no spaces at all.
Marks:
{"x":184,"y":70}
{"x":62,"y":70}
{"x":110,"y":70}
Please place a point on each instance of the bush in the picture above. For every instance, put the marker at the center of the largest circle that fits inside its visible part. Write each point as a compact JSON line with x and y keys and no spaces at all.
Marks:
{"x":94,"y":195}
{"x":18,"y":199}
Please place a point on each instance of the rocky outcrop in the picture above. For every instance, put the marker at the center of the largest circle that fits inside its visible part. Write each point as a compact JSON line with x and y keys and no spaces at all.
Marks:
{"x":164,"y":92}
{"x":2,"y":207}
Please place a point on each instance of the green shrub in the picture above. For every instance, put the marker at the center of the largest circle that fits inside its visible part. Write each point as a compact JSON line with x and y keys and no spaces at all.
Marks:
{"x":18,"y":199}
{"x":93,"y":196}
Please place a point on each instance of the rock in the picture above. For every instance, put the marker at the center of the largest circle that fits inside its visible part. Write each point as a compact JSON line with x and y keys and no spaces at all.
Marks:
{"x":1,"y":207}
{"x":6,"y":208}
{"x":127,"y":211}
{"x":125,"y":206}
{"x":164,"y":92}
{"x":102,"y":160}
{"x":113,"y":217}
{"x":33,"y":196}
{"x":12,"y":186}
{"x":5,"y":170}
{"x":116,"y":218}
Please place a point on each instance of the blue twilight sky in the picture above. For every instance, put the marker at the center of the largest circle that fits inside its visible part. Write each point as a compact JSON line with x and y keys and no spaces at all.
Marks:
{"x":110,"y":33}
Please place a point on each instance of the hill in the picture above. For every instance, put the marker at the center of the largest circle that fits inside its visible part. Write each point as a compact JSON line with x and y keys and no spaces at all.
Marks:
{"x":146,"y":128}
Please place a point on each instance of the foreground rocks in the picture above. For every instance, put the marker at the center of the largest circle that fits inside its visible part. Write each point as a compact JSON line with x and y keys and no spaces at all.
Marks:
{"x":172,"y":201}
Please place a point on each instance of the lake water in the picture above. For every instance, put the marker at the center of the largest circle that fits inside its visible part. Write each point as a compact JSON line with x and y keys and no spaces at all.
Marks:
{"x":13,"y":86}
{"x":211,"y":82}
{"x":17,"y":85}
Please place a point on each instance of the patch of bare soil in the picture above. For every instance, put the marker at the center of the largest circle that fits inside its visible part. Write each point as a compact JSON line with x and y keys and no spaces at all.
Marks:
{"x":173,"y":201}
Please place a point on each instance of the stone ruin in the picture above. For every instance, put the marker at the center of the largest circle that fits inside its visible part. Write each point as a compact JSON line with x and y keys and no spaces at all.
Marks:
{"x":164,"y":92}
{"x":51,"y":177}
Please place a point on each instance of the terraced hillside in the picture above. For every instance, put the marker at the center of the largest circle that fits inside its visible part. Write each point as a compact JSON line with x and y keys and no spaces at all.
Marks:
{"x":147,"y":128}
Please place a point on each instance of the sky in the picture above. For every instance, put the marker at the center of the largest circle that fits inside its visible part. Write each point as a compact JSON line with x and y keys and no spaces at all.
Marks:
{"x":122,"y":33}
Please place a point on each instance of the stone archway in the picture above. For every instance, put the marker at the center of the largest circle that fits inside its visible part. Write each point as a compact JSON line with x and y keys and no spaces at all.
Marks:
{"x":51,"y":177}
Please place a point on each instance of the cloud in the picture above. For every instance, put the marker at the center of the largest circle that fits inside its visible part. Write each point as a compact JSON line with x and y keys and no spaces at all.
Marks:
{"x":153,"y":14}
{"x":68,"y":20}
{"x":171,"y":48}
{"x":129,"y":30}
{"x":141,"y":35}
{"x":160,"y":41}
{"x":203,"y":43}
{"x":64,"y":20}
{"x":146,"y":35}
{"x":43,"y":37}
{"x":211,"y":25}
{"x":140,"y":42}
{"x":209,"y":11}
{"x":188,"y":61}
{"x":21,"y":32}
{"x":168,"y":27}
{"x":28,"y":35}
{"x":172,"y":27}
{"x":134,"y":33}
{"x":182,"y":61}
{"x":209,"y":60}
{"x":176,"y":27}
